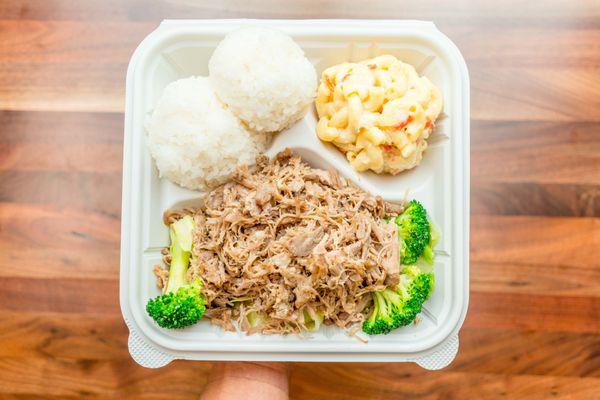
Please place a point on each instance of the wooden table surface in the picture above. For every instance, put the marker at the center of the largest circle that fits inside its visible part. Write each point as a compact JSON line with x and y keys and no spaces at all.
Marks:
{"x":533,"y":327}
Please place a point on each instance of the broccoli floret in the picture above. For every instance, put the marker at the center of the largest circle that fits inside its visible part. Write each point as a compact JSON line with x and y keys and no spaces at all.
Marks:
{"x":415,"y":233}
{"x":428,"y":253}
{"x":415,"y":287}
{"x":395,"y":308}
{"x":386,"y":313}
{"x":182,"y":304}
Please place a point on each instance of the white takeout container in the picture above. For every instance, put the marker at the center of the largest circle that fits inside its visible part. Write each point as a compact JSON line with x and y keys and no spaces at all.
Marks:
{"x":178,"y":49}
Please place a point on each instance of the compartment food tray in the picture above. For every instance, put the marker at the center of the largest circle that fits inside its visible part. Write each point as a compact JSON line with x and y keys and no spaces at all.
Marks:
{"x":178,"y":49}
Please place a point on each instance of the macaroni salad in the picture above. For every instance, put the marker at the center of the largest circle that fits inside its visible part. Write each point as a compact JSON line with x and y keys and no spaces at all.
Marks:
{"x":379,"y":112}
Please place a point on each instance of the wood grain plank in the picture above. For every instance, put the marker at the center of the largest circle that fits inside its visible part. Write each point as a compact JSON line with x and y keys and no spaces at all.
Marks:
{"x":139,"y":394}
{"x":68,"y":42}
{"x":544,"y":46}
{"x":529,"y":198}
{"x":63,"y":336}
{"x":61,"y":157}
{"x":540,"y":312}
{"x":94,"y":192}
{"x":61,"y":127}
{"x":539,"y":255}
{"x":69,"y":180}
{"x":523,"y":278}
{"x":94,"y":150}
{"x":535,"y":240}
{"x":559,"y":12}
{"x":75,"y":74}
{"x":59,"y":242}
{"x":52,"y":264}
{"x":529,"y":244}
{"x":551,"y":94}
{"x":114,"y":10}
{"x":91,"y":142}
{"x":66,"y":65}
{"x":81,"y":86}
{"x":67,"y":149}
{"x":86,"y":296}
{"x":527,"y":352}
{"x":27,"y":376}
{"x":43,"y":396}
{"x":486,"y":310}
{"x":401,"y":383}
{"x":542,"y":152}
{"x":25,"y":226}
{"x":38,"y":141}
{"x":117,"y":379}
{"x":497,"y":351}
{"x":99,"y":146}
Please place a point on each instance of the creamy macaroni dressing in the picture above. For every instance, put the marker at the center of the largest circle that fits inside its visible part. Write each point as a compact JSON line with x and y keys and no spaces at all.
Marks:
{"x":378,"y":111}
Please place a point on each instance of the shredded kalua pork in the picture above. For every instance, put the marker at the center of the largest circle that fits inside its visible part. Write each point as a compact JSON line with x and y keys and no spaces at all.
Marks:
{"x":283,"y":245}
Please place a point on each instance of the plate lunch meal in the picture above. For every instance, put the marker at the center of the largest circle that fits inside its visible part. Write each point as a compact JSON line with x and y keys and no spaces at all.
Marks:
{"x":295,"y":191}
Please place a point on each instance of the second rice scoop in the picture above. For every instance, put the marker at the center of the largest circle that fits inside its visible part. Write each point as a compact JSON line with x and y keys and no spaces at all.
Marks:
{"x":263,"y":77}
{"x":195,"y":140}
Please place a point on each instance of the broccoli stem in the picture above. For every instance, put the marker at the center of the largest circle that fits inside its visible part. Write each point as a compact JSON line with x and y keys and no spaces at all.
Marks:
{"x":181,"y":234}
{"x":375,"y":312}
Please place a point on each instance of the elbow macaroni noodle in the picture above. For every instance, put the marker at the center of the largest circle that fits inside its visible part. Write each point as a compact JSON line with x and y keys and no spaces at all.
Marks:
{"x":378,"y":111}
